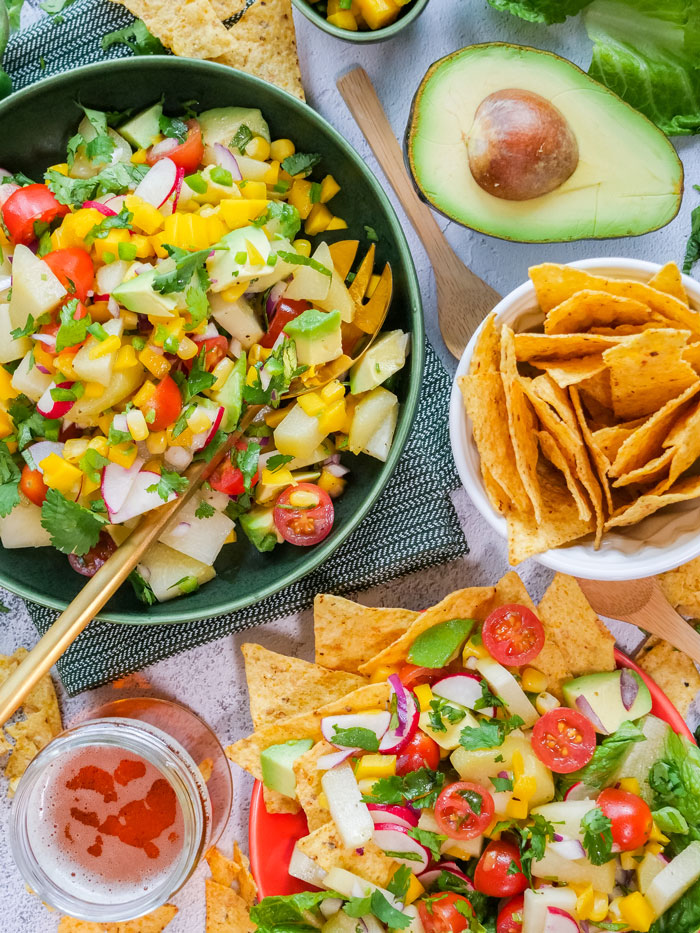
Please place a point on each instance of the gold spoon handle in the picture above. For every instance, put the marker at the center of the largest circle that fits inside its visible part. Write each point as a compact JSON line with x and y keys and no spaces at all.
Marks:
{"x":104,"y":584}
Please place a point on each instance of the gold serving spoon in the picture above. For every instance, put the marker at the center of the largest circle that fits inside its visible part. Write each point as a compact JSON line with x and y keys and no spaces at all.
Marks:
{"x":642,"y":603}
{"x":464,"y":299}
{"x":104,"y":584}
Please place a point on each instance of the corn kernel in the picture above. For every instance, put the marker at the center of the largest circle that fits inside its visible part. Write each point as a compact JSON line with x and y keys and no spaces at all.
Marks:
{"x":221,"y":371}
{"x":424,"y":695}
{"x":600,"y":908}
{"x":258,"y":354}
{"x":303,"y":247}
{"x":254,"y":190}
{"x":139,"y":157}
{"x":136,"y":423}
{"x":234,"y":292}
{"x":258,"y":148}
{"x":99,"y":443}
{"x":126,"y":358}
{"x":415,"y":889}
{"x":144,"y":394}
{"x":146,"y":217}
{"x":272,"y":174}
{"x":154,"y":362}
{"x":281,"y":149}
{"x":157,"y":442}
{"x":104,"y":347}
{"x":251,"y":376}
{"x":329,"y":188}
{"x":198,"y":421}
{"x":544,"y":702}
{"x":473,"y":649}
{"x":187,"y":349}
{"x":533,"y":681}
{"x":636,"y":910}
{"x":333,"y":485}
{"x":301,"y":499}
{"x":337,"y":223}
{"x":75,"y":448}
{"x":131,"y":320}
{"x":517,"y":809}
{"x":123,"y":454}
{"x":375,"y":766}
{"x":630,"y":784}
{"x":381,"y":674}
{"x":318,"y":219}
{"x":323,"y":801}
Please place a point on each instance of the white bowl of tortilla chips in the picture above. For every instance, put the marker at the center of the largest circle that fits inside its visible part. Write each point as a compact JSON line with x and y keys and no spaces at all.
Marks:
{"x":599,"y":424}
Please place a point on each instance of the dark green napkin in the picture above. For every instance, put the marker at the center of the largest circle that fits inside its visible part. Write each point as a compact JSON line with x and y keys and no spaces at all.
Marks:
{"x":413,"y":525}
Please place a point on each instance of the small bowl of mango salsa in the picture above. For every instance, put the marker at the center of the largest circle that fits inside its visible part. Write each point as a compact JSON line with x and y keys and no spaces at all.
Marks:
{"x":361,"y":20}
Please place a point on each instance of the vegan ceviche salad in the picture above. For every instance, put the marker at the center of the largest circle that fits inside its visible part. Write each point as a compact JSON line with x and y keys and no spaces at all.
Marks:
{"x":502,"y":806}
{"x":154,"y":287}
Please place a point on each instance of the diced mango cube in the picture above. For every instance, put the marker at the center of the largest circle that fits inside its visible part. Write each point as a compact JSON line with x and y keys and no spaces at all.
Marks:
{"x":329,"y":188}
{"x":318,"y":219}
{"x":337,"y":223}
{"x":379,"y":13}
{"x":146,"y":217}
{"x":123,"y":454}
{"x":375,"y":766}
{"x":343,"y":19}
{"x":533,"y":681}
{"x":154,"y":362}
{"x":254,"y":190}
{"x":300,"y":197}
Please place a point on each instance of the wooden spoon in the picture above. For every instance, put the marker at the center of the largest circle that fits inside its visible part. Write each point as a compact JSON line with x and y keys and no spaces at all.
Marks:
{"x":99,"y":588}
{"x":464,"y":299}
{"x":642,"y":603}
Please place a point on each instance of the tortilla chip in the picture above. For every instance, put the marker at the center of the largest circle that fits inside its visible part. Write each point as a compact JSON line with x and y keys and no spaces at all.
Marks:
{"x":568,"y":619}
{"x":190,"y":28}
{"x":609,"y":440}
{"x":325,"y":847}
{"x":263,"y":43}
{"x":281,"y":686}
{"x":227,"y":912}
{"x":668,"y":279}
{"x":151,"y":923}
{"x":485,"y":403}
{"x":348,"y":633}
{"x":598,"y":388}
{"x":278,"y":803}
{"x":651,"y":502}
{"x":554,"y":284}
{"x":570,"y":372}
{"x":588,"y":308}
{"x":550,"y":449}
{"x":600,"y":460}
{"x":626,"y":330}
{"x":497,"y":496}
{"x":681,"y":587}
{"x":309,"y":784}
{"x":651,"y":472}
{"x":471,"y":603}
{"x":246,"y":752}
{"x":683,"y":442}
{"x":561,"y":346}
{"x":521,"y":422}
{"x":560,"y":523}
{"x":227,"y":9}
{"x":691,"y":355}
{"x":486,"y":357}
{"x":233,"y":872}
{"x":672,"y":670}
{"x":647,"y":371}
{"x":645,"y":442}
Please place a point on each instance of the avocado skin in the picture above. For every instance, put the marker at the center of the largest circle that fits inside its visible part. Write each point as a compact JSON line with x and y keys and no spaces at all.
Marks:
{"x":445,"y":212}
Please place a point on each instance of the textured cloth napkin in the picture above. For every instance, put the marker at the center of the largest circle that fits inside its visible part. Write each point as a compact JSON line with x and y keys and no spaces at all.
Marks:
{"x":413,"y":524}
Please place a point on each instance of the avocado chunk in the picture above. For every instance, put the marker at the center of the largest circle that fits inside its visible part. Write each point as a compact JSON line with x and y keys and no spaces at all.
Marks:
{"x":137,"y":295}
{"x":437,"y":646}
{"x":230,"y":395}
{"x":317,"y":336}
{"x":221,"y":124}
{"x":603,"y":693}
{"x":277,"y":763}
{"x":608,"y":171}
{"x":259,"y":527}
{"x":385,"y":357}
{"x":240,"y":256}
{"x":143,"y":129}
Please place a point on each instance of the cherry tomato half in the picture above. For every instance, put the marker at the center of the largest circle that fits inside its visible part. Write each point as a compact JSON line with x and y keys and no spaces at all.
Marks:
{"x":412,"y":676}
{"x":166,"y":402}
{"x":285,"y":311}
{"x":513,"y":635}
{"x":229,"y":479}
{"x":28,"y":206}
{"x":499,"y":871}
{"x":630,"y":818}
{"x":510,"y":916}
{"x":187,"y":155}
{"x":304,"y":525}
{"x":215,"y":349}
{"x":88,"y":564}
{"x":32,"y":484}
{"x":439,"y":913}
{"x":74,"y":270}
{"x":464,"y":810}
{"x":564,"y":740}
{"x":420,"y":752}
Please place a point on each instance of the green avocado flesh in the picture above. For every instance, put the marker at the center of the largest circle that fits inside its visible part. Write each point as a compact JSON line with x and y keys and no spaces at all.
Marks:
{"x":436,"y":646}
{"x":628,"y":180}
{"x":277,"y":765}
{"x":603,"y":694}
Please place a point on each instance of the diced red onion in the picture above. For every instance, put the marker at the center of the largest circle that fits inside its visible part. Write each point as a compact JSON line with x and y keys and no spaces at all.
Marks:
{"x":629,"y":688}
{"x":570,"y":849}
{"x":401,"y":703}
{"x":112,"y":306}
{"x":334,"y":458}
{"x":276,"y":293}
{"x":179,"y":178}
{"x":42,"y":369}
{"x":585,"y":707}
{"x":504,"y":775}
{"x":5,"y":173}
{"x":163,"y":148}
{"x":333,"y":759}
{"x":99,"y":206}
{"x":6,"y":190}
{"x":210,"y":332}
{"x":48,"y":340}
{"x":337,"y":469}
{"x":119,"y":422}
{"x":226,"y":159}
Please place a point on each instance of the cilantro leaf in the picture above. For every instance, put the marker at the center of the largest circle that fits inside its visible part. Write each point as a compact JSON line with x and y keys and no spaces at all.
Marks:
{"x":137,"y":37}
{"x":242,"y":138}
{"x":356,"y":737}
{"x":371,"y":234}
{"x":73,"y":529}
{"x":9,"y":481}
{"x":501,"y":783}
{"x":91,"y":463}
{"x":142,"y":588}
{"x":597,"y":836}
{"x":278,"y":461}
{"x":442,"y":710}
{"x":488,"y":699}
{"x":300,"y":163}
{"x":282,"y":368}
{"x":173,"y":127}
{"x":14,"y":9}
{"x":247,"y":463}
{"x":186,"y":265}
{"x":114,"y":179}
{"x":280,"y":218}
{"x":169,"y":482}
{"x":420,"y":788}
{"x":31,"y":327}
{"x":120,"y":221}
{"x":432,"y":841}
{"x":488,"y":734}
{"x":199,"y":380}
{"x":71,"y":331}
{"x":400,"y":882}
{"x":377,"y":904}
{"x":296,"y":259}
{"x":532,"y":839}
{"x":197,"y":304}
{"x":447,"y":881}
{"x":204,"y":510}
{"x":101,"y":146}
{"x":30,"y":423}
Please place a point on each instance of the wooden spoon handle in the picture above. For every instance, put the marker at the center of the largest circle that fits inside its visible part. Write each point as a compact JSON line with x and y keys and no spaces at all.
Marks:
{"x":660,"y":618}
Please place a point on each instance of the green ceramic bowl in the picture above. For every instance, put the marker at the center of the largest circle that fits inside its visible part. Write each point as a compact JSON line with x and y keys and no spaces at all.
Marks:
{"x":35,"y":124}
{"x":412,"y":12}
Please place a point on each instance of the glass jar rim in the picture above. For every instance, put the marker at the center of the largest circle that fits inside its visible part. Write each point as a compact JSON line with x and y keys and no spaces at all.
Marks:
{"x":176,"y":766}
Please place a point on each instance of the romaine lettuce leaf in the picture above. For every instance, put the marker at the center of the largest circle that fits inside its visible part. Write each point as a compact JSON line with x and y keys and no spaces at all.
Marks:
{"x":293,"y":912}
{"x":606,"y":759}
{"x":647,"y":51}
{"x":675,"y":780}
{"x":541,"y":11}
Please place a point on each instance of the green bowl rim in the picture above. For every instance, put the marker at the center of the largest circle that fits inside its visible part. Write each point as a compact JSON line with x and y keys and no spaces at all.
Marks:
{"x":417,"y":357}
{"x":306,"y":8}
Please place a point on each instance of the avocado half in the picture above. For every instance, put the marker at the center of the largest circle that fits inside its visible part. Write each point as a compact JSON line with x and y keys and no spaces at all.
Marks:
{"x":628,"y":181}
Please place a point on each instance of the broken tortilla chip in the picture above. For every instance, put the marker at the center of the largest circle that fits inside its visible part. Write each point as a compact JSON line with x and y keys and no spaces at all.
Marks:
{"x":672,"y":670}
{"x":189,"y":28}
{"x":325,"y":847}
{"x":669,"y":280}
{"x":486,"y":357}
{"x":233,"y":872}
{"x":309,"y":787}
{"x":278,"y":803}
{"x":227,"y":912}
{"x":570,"y":372}
{"x":151,"y":923}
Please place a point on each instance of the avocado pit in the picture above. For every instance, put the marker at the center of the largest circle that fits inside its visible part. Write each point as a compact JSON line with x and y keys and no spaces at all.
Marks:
{"x":520,"y":146}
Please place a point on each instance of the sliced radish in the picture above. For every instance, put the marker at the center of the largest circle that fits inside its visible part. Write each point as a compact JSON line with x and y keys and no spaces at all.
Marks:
{"x":178,"y":186}
{"x":401,"y":816}
{"x":464,"y":689}
{"x":99,"y":206}
{"x":117,"y":482}
{"x":139,"y":499}
{"x":206,"y":437}
{"x":158,"y":183}
{"x":41,"y":451}
{"x":333,"y":759}
{"x":431,"y":876}
{"x":397,"y":738}
{"x":559,"y":921}
{"x":377,"y":722}
{"x":570,"y":849}
{"x":50,"y":408}
{"x":394,"y":839}
{"x":580,"y":791}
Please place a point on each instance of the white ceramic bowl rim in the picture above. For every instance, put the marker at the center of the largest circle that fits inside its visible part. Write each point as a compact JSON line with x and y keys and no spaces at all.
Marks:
{"x":661,"y":542}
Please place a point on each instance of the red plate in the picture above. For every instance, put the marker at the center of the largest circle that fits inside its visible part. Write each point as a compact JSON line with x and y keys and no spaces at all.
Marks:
{"x":272,"y":835}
